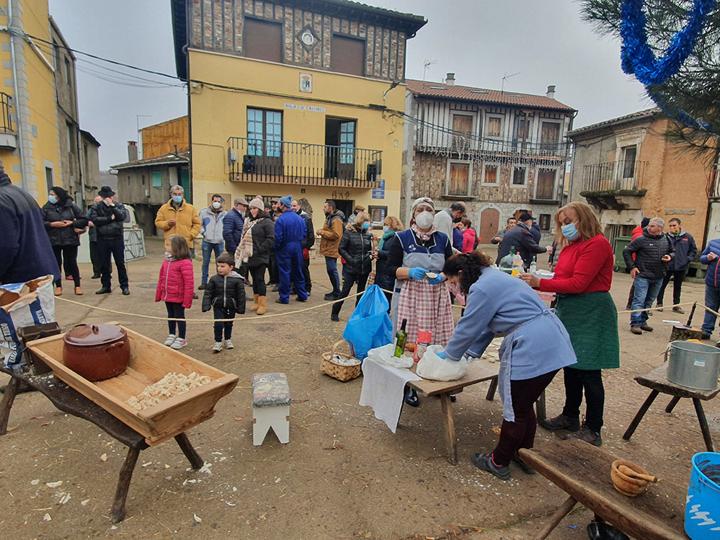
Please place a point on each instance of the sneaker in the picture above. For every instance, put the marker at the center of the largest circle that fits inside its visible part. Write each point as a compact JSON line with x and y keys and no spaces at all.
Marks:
{"x":585,"y":434}
{"x":411,"y":397}
{"x":330,"y":296}
{"x":636,"y":330}
{"x":486,"y":463}
{"x":278,"y":301}
{"x":646,"y":328}
{"x":561,"y":422}
{"x":678,"y":309}
{"x":229,"y":344}
{"x":217,"y":347}
{"x":169,"y":340}
{"x":178,"y":344}
{"x":527,"y":469}
{"x":103,"y":290}
{"x":126,"y":291}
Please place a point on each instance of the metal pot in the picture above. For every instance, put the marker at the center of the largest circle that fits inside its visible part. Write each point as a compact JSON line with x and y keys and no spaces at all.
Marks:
{"x":693,"y":365}
{"x":96,"y":352}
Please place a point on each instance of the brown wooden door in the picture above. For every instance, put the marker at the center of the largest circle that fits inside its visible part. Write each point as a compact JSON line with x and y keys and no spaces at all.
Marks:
{"x":545,"y":184}
{"x":489,"y":222}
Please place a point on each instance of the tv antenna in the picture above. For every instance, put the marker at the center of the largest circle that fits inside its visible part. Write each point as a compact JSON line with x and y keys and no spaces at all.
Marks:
{"x":426,"y":66}
{"x":506,"y":77}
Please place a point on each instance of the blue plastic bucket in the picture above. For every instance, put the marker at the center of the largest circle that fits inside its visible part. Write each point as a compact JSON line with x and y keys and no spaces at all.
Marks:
{"x":702,"y":509}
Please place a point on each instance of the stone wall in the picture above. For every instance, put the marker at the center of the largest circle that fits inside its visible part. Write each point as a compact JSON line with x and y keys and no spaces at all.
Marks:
{"x":218,"y":25}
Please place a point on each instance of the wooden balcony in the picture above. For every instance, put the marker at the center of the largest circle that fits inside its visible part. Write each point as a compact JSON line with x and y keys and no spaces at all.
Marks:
{"x":616,"y":185}
{"x":269,"y":161}
{"x":459,"y":147}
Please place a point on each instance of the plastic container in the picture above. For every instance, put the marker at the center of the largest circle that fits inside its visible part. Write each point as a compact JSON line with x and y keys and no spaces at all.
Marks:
{"x":702,"y":509}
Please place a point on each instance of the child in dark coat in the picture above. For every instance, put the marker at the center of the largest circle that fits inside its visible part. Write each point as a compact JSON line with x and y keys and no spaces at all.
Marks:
{"x":225,"y":294}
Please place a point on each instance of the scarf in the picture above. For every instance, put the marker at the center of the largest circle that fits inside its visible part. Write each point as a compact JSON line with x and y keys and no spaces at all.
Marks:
{"x":245,"y":248}
{"x":424,"y":236}
{"x":385,"y":236}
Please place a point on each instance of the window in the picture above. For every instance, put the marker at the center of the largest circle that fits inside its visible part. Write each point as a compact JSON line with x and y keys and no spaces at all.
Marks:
{"x":544,"y":222}
{"x":522,"y":128}
{"x":545,"y":188}
{"x":56,"y":49}
{"x":494,"y":126}
{"x":377,"y":214}
{"x":550,"y":134}
{"x":142,"y":179}
{"x":347,"y":142}
{"x":458,"y":178}
{"x":348,"y":55}
{"x":156,"y":179}
{"x":264,"y":132}
{"x":263,"y":40}
{"x":68,"y":72}
{"x":49,"y":178}
{"x":490,"y":174}
{"x":629,"y":154}
{"x":519,"y":176}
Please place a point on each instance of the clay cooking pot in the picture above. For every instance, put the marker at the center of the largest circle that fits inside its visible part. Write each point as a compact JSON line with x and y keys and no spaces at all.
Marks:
{"x":96,"y":352}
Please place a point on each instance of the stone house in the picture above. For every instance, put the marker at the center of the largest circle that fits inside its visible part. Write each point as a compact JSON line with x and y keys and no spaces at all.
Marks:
{"x":500,"y":152}
{"x":627,"y":168}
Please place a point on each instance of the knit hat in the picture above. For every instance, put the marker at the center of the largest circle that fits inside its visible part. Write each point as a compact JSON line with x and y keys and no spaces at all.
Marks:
{"x":258,"y":203}
{"x":422,"y":200}
{"x":286,"y":201}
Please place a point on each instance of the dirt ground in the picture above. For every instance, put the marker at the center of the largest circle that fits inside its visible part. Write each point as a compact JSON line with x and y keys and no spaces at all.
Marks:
{"x":343,"y":474}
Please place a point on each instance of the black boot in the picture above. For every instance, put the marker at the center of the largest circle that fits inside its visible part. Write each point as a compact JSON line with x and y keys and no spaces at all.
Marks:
{"x":561,"y":422}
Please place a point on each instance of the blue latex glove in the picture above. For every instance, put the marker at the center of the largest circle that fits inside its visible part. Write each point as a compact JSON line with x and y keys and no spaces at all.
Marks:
{"x":417,"y":274}
{"x":437,"y":279}
{"x":442,"y":354}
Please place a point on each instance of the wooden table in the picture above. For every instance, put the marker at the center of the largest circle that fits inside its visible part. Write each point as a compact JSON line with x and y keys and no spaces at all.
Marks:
{"x":478,"y":371}
{"x":658,"y":382}
{"x":72,"y":402}
{"x":583,"y":472}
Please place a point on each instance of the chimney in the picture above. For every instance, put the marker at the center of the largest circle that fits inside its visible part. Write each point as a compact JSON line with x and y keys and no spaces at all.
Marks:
{"x":450,"y":79}
{"x":132,"y":151}
{"x":551,"y":91}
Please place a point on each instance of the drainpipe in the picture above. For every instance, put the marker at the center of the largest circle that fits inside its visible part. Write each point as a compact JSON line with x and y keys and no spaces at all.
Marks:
{"x":24,"y":177}
{"x":572,"y":170}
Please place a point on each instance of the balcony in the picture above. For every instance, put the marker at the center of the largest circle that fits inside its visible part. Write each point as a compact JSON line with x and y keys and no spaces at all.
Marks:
{"x":270,"y":161}
{"x":8,"y":139}
{"x":456,"y":146}
{"x":614,"y":185}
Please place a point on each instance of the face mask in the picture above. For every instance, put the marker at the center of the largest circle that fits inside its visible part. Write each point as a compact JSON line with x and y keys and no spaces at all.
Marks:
{"x":570,"y":231}
{"x":366,"y":226}
{"x":177,"y":199}
{"x":386,"y":228}
{"x":52,"y":199}
{"x":216,"y":205}
{"x":424,"y":219}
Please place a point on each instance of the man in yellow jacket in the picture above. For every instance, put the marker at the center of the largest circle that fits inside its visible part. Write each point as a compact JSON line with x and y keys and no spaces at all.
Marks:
{"x":177,"y":217}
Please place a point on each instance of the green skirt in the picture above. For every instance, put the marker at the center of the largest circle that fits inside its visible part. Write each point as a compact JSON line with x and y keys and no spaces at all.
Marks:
{"x":591,"y":321}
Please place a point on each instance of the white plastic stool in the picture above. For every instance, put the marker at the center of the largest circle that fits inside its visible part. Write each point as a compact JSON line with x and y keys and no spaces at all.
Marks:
{"x":271,"y":407}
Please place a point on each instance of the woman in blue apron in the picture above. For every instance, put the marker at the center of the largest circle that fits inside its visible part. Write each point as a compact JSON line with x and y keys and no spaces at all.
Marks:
{"x":535,"y":347}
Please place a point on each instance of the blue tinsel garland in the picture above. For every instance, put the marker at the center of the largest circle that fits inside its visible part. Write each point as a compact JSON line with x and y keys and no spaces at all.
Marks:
{"x":638,"y":57}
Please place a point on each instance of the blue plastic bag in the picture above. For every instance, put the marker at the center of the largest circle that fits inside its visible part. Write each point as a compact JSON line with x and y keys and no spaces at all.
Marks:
{"x":369,"y":326}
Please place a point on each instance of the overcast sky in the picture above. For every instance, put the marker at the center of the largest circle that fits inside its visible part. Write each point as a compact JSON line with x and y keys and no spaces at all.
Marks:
{"x":480,"y":40}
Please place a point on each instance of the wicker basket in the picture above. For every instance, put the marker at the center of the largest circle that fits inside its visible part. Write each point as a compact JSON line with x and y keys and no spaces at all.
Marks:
{"x":338,"y":371}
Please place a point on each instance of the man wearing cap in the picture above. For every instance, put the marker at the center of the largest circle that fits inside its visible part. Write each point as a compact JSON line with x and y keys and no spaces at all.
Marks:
{"x":290,"y":233}
{"x":521,"y":238}
{"x":177,"y":217}
{"x":211,"y":227}
{"x":108,"y":217}
{"x":25,"y":251}
{"x":233,"y":225}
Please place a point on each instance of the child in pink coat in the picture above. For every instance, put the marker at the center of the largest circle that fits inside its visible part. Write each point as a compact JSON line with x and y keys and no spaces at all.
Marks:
{"x":175,"y":288}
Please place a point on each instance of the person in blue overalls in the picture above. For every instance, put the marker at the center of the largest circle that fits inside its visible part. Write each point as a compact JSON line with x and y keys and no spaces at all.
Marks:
{"x":290,"y":233}
{"x":535,"y":347}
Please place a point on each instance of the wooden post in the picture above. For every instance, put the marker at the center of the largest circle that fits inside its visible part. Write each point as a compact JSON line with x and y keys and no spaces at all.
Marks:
{"x":556,"y":518}
{"x":6,"y":404}
{"x":196,"y":462}
{"x":123,"y":485}
{"x":639,"y":416}
{"x":671,"y":405}
{"x":493,"y":388}
{"x":703,"y":424}
{"x":449,"y":428}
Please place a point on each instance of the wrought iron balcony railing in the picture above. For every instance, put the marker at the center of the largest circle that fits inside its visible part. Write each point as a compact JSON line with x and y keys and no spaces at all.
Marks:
{"x":282,"y":162}
{"x":434,"y":141}
{"x":614,"y":176}
{"x":6,"y":117}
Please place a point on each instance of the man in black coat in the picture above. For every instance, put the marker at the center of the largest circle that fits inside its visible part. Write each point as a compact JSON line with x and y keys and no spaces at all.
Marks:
{"x":108,"y":217}
{"x":25,"y":250}
{"x":685,"y":251}
{"x":521,"y":237}
{"x":653,"y":251}
{"x":307,"y":243}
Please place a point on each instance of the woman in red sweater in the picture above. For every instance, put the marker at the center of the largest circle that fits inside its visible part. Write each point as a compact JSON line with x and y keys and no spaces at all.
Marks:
{"x":582,"y":281}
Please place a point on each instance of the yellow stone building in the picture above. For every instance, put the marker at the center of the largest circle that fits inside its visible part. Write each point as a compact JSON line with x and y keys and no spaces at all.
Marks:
{"x":29,"y":135}
{"x":295,"y":98}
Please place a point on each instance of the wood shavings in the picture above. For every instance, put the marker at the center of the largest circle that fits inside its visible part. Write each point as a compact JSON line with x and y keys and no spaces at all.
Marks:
{"x":169,"y":386}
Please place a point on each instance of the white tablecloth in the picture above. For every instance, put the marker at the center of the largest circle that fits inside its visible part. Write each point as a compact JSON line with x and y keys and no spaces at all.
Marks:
{"x":383,"y":390}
